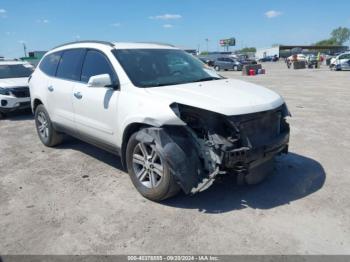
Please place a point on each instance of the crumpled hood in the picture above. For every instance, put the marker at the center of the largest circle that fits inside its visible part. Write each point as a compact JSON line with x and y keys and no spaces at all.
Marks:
{"x":227,"y":96}
{"x":14,"y":82}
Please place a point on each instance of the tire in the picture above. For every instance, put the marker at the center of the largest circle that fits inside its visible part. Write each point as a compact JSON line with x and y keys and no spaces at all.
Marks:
{"x":46,"y":132}
{"x":146,"y":178}
{"x":2,"y":115}
{"x":217,"y":68}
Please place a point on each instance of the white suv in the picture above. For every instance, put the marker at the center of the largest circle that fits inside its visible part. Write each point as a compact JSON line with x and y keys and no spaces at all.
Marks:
{"x":340,"y":62}
{"x":175,"y":123}
{"x":14,"y":90}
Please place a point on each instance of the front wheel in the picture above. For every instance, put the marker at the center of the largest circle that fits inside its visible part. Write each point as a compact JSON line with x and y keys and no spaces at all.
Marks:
{"x":149,"y":171}
{"x":46,"y":132}
{"x":217,"y":68}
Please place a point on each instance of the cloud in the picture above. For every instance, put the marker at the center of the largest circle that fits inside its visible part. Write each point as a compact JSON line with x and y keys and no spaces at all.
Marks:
{"x":3,"y":13}
{"x":166,"y":17}
{"x":116,"y":24}
{"x":43,"y":21}
{"x":168,"y":26}
{"x":273,"y":13}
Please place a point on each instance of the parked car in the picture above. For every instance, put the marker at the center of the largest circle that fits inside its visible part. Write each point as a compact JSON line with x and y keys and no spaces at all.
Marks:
{"x":245,"y":60}
{"x":266,"y":59}
{"x":206,"y":60}
{"x":298,"y":57}
{"x":175,"y":128}
{"x":312,"y":61}
{"x":340,"y":62}
{"x":226,"y":63}
{"x":14,"y":90}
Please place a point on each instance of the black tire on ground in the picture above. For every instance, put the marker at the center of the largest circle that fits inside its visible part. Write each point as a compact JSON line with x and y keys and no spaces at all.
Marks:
{"x":217,"y":68}
{"x":52,"y":137}
{"x":167,"y":186}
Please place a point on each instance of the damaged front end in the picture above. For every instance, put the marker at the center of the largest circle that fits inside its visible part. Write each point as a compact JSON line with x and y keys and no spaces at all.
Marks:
{"x":242,"y":145}
{"x":212,"y":144}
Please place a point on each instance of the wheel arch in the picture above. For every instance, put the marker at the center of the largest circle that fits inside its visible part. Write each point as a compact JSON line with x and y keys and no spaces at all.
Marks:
{"x":128,"y":131}
{"x":36,"y":102}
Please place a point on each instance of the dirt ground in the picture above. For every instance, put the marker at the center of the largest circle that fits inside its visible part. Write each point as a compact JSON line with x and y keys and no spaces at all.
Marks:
{"x":75,"y":199}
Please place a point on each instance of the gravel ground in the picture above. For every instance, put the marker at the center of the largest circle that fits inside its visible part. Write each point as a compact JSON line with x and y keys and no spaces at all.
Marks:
{"x":75,"y":199}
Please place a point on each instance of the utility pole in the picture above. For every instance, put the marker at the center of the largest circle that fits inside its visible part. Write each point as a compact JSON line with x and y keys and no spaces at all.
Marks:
{"x":207,"y":40}
{"x":24,"y":49}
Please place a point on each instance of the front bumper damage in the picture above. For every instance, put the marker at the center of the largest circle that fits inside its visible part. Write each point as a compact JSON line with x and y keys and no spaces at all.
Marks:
{"x":212,"y":144}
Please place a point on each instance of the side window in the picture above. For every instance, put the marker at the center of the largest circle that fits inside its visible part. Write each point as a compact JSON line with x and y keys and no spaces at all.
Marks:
{"x":96,"y":63}
{"x":346,"y":56}
{"x":70,"y":64}
{"x":50,"y":62}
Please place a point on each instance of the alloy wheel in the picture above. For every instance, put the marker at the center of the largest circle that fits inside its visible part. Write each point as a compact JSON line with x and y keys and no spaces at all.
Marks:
{"x":147,"y":165}
{"x":43,"y":125}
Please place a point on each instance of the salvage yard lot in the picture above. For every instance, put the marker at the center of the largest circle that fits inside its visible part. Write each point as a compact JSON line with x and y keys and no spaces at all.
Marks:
{"x":75,"y":199}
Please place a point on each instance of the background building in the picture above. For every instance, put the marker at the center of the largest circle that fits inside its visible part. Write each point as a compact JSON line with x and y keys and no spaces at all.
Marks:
{"x":287,"y":50}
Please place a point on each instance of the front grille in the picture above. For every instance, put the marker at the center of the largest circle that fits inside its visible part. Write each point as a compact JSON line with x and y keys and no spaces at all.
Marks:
{"x":260,"y":128}
{"x":20,"y":92}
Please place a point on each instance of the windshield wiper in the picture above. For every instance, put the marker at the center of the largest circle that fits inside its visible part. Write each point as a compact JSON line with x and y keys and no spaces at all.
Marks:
{"x":207,"y":79}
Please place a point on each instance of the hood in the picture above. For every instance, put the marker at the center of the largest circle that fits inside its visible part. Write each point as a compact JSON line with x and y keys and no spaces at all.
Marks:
{"x":14,"y":82}
{"x":226,"y":96}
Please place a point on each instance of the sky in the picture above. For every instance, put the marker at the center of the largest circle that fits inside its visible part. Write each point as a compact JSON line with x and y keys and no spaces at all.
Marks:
{"x":44,"y":24}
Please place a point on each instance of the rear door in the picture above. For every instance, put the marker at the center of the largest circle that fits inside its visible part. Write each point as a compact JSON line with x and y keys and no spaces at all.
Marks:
{"x":227,"y":63}
{"x":48,"y":66}
{"x":60,"y":87}
{"x":96,"y":107}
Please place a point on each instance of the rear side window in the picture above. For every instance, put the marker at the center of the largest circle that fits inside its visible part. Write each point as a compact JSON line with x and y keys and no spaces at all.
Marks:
{"x":50,"y":62}
{"x":70,"y":64}
{"x":96,"y":63}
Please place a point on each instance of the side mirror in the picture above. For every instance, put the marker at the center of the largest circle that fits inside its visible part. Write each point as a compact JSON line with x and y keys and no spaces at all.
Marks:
{"x":103,"y":80}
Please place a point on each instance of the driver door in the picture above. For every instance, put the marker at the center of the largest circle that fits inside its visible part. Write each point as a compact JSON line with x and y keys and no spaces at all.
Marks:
{"x":96,"y":107}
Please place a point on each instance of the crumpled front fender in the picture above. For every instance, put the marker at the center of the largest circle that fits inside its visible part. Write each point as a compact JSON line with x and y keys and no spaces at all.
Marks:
{"x":176,"y":147}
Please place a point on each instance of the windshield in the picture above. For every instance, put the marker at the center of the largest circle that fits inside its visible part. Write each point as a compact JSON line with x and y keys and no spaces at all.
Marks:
{"x":161,"y":67}
{"x":14,"y":71}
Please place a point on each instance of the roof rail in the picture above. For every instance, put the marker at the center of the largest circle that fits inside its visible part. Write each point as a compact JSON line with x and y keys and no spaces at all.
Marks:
{"x":86,"y":41}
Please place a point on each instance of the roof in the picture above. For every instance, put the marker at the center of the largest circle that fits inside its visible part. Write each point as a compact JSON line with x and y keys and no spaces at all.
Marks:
{"x":116,"y":45}
{"x":140,"y":45}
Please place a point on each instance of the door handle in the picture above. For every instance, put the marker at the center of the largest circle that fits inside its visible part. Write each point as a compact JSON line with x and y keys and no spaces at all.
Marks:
{"x":50,"y":88}
{"x":78,"y":95}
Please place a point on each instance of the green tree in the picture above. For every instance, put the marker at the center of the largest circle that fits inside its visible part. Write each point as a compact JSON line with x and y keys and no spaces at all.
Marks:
{"x":330,"y":41}
{"x":341,"y":34}
{"x":247,"y":50}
